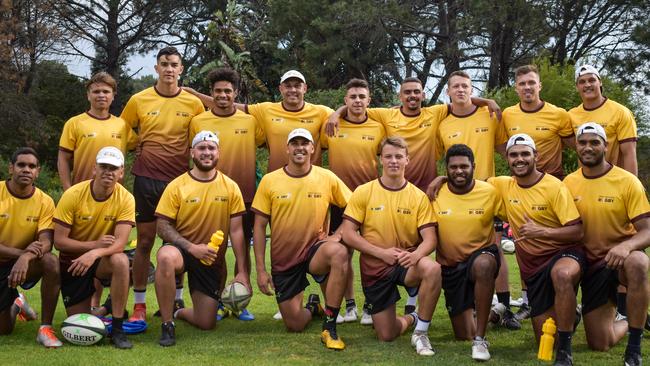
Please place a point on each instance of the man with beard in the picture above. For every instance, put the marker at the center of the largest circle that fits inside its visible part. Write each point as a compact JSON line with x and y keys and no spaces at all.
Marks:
{"x":465,"y":210}
{"x":92,"y":223}
{"x":26,"y":247}
{"x":389,"y":221}
{"x":296,"y":199}
{"x":616,"y":216}
{"x":547,"y":228}
{"x":193,"y":207}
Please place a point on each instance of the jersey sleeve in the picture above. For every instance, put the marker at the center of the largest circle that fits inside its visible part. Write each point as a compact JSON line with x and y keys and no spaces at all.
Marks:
{"x":260,"y":136}
{"x":426,"y":217}
{"x":64,"y":212}
{"x":324,"y":139}
{"x":381,"y":115}
{"x":636,"y":201}
{"x":130,"y":113}
{"x":237,"y":207}
{"x":340,"y":192}
{"x":262,"y":200}
{"x":626,"y":128}
{"x":192,"y":130}
{"x":438,"y":111}
{"x":500,"y":135}
{"x":132,"y":139}
{"x":198,"y":106}
{"x":127,"y":210}
{"x":564,"y":206}
{"x":566,"y":125}
{"x":355,"y":211}
{"x":47,"y":213}
{"x":170,"y":203}
{"x":499,"y":208}
{"x":256,"y":110}
{"x":68,"y":140}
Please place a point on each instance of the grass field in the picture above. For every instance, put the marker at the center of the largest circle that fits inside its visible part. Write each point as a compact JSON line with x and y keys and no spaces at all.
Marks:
{"x":264,"y":341}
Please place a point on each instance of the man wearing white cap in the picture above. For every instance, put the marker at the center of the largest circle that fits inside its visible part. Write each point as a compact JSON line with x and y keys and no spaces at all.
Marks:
{"x":616,"y":217}
{"x":548,"y":230}
{"x":296,"y":199}
{"x":192,"y":208}
{"x":617,"y":120}
{"x":92,"y":223}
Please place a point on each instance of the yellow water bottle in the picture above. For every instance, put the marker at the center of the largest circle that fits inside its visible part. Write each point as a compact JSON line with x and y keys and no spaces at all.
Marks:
{"x":545,"y":352}
{"x":215,"y":242}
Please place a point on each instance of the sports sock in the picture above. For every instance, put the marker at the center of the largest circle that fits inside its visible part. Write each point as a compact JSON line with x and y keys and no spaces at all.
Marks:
{"x":411,"y":301}
{"x":422,"y":326}
{"x":140,"y":296}
{"x":621,"y":303}
{"x":117,"y":324}
{"x":175,"y":315}
{"x":350,"y":303}
{"x":331,"y":313}
{"x":634,"y":339}
{"x":504,"y":298}
{"x":564,"y":341}
{"x":179,"y":294}
{"x":524,"y":296}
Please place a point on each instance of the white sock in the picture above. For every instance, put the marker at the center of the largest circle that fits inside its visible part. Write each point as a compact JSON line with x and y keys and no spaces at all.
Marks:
{"x":412,"y":300}
{"x":422,"y":326}
{"x":524,"y":296}
{"x":179,"y":294}
{"x":140,"y":296}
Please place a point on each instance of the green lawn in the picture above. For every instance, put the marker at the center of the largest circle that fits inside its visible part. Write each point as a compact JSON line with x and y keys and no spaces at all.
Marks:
{"x":264,"y":341}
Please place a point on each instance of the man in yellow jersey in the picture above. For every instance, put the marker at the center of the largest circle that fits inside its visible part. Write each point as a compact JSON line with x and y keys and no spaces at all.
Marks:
{"x":548,"y":231}
{"x":92,"y":223}
{"x":353,"y":158}
{"x":465,"y":210}
{"x":616,"y":216}
{"x":239,"y":135}
{"x":296,"y":199}
{"x":616,"y":119}
{"x":390,"y":221}
{"x":193,"y":207}
{"x":25,"y":248}
{"x":162,"y":115}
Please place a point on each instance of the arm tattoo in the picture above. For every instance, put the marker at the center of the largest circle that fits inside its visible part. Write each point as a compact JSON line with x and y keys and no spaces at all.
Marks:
{"x":169,"y":234}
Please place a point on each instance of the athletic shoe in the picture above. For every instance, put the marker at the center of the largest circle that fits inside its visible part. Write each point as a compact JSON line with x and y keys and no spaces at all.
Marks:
{"x":331,"y":340}
{"x":523,"y":313}
{"x":632,"y":359}
{"x":563,"y":359}
{"x":139,"y":313}
{"x":408,"y":309}
{"x":351,"y":315}
{"x":480,"y":350}
{"x":277,"y":316}
{"x":496,"y":313}
{"x":222,"y":312}
{"x":340,"y":319}
{"x":619,"y":317}
{"x":178,"y":304}
{"x":47,"y":337}
{"x":422,"y":344}
{"x":508,"y":321}
{"x":313,"y":305}
{"x":366,"y":318}
{"x":26,"y":312}
{"x":168,"y":334}
{"x":118,"y":338}
{"x":516,"y":302}
{"x":576,"y":322}
{"x":245,"y":315}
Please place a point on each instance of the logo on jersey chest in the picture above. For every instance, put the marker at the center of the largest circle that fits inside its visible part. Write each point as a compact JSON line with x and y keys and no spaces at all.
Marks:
{"x":277,"y":119}
{"x":514,"y":201}
{"x":5,"y":216}
{"x":84,"y":218}
{"x":314,"y":195}
{"x":110,"y":218}
{"x":403,"y":210}
{"x":116,"y":135}
{"x":539,"y":207}
{"x":606,"y":199}
{"x":377,"y":208}
{"x":193,"y":200}
{"x":153,"y":113}
{"x":342,"y":136}
{"x":241,"y":131}
{"x":514,"y":128}
{"x":221,"y":199}
{"x":306,"y":121}
{"x":367,"y":138}
{"x":89,"y":135}
{"x":426,"y":124}
{"x":542,"y":128}
{"x":476,"y":211}
{"x":32,"y":218}
{"x":182,"y":114}
{"x":283,"y":196}
{"x":446,"y":212}
{"x":481,"y":129}
{"x":454,"y":135}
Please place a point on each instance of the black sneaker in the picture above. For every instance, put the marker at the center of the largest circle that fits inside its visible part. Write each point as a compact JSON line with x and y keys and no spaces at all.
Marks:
{"x":509,"y":321}
{"x":563,"y":359}
{"x":313,"y":305}
{"x":632,"y":358}
{"x":118,"y":338}
{"x":168,"y":334}
{"x":178,"y":304}
{"x":408,"y":309}
{"x":523,"y":313}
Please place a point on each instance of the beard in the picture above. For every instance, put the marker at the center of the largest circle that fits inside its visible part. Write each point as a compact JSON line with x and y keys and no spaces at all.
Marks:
{"x":203,"y":167}
{"x":598,"y":159}
{"x":462,"y":186}
{"x":530,"y":168}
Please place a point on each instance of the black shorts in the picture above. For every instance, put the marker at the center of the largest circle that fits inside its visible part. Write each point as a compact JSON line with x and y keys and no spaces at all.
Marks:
{"x":75,"y":289}
{"x":384,"y":293}
{"x":336,"y":217}
{"x":293,"y":281}
{"x":599,"y":286}
{"x":200,"y":277}
{"x":147,"y":192}
{"x":541,"y":293}
{"x":458,"y":282}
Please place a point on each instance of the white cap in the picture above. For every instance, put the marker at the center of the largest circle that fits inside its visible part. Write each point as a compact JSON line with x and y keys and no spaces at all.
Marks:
{"x":110,"y":155}
{"x":592,"y":127}
{"x":292,"y":74}
{"x":586,"y":69}
{"x":520,"y":139}
{"x":205,"y":136}
{"x":300,"y":132}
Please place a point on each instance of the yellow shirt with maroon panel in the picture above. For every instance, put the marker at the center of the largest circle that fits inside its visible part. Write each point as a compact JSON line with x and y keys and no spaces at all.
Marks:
{"x":297,"y":207}
{"x":465,"y":221}
{"x":546,"y":126}
{"x":89,"y":218}
{"x":239,"y":135}
{"x":388,"y":218}
{"x":353,"y":151}
{"x":616,"y":119}
{"x":477,"y":130}
{"x":22,"y":219}
{"x":277,"y":122}
{"x":547,"y":202}
{"x":419,"y":132}
{"x":609,"y":205}
{"x":162,"y":123}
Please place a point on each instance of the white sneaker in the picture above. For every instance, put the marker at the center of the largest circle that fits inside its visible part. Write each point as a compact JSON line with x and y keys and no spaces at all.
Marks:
{"x":480,"y":350}
{"x":351,"y":315}
{"x":278,"y":315}
{"x":47,"y":337}
{"x":422,"y":344}
{"x":516,"y":302}
{"x":496,"y":313}
{"x":620,"y":317}
{"x":366,"y":319}
{"x":339,"y":319}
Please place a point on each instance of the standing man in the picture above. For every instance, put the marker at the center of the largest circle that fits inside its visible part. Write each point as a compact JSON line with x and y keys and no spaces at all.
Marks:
{"x":296,"y":199}
{"x":26,"y":247}
{"x":162,"y":115}
{"x":397,"y":235}
{"x":240,"y":134}
{"x":192,"y":208}
{"x":616,"y":216}
{"x":547,"y":228}
{"x":465,"y":210}
{"x":92,"y":223}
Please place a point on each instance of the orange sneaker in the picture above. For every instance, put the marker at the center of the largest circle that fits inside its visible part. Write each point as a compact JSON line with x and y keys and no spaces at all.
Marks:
{"x":47,"y":337}
{"x":26,"y":312}
{"x":139,"y":313}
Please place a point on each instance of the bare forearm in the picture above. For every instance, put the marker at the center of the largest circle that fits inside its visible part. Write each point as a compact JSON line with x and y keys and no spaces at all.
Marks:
{"x":238,"y":245}
{"x":9,"y":252}
{"x":64,"y":167}
{"x":68,"y":245}
{"x":259,"y":245}
{"x":169,"y":235}
{"x":628,"y":158}
{"x":355,"y":241}
{"x":45,"y":238}
{"x":565,"y":234}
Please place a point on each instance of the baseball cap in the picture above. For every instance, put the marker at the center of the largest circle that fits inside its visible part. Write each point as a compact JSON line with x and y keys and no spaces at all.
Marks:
{"x":292,"y":74}
{"x":110,"y":155}
{"x":586,"y":69}
{"x":300,"y":132}
{"x":592,"y":127}
{"x":520,"y":139}
{"x":205,"y":136}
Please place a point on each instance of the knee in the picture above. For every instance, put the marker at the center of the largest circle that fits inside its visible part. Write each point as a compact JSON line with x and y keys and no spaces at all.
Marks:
{"x":636,"y":267}
{"x":50,"y":263}
{"x":119,"y":261}
{"x":165,"y":259}
{"x":564,"y":276}
{"x":294,"y":327}
{"x":384,"y":335}
{"x":484,"y":267}
{"x":599,"y":345}
{"x":339,"y":256}
{"x":429,"y":269}
{"x":206,"y":324}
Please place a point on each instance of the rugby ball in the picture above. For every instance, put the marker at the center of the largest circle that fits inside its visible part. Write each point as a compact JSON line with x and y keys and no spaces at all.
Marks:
{"x":83,"y":329}
{"x":235,"y":297}
{"x":508,"y":246}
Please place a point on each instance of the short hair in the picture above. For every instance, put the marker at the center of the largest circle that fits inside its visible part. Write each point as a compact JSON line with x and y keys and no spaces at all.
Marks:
{"x":102,"y":77}
{"x":459,"y":150}
{"x":24,"y":151}
{"x":224,"y":74}
{"x":396,"y":141}
{"x":356,"y":83}
{"x":525,"y":69}
{"x":411,"y":79}
{"x":460,"y":73}
{"x":168,"y":51}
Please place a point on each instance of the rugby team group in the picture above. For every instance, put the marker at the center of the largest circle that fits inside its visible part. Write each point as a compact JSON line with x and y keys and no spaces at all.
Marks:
{"x":381,"y":196}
